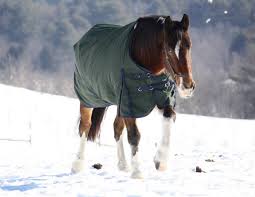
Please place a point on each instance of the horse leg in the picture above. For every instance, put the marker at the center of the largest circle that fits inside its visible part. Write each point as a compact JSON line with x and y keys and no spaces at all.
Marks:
{"x":118,"y":135}
{"x":84,"y":127}
{"x":162,"y":154}
{"x":133,"y":139}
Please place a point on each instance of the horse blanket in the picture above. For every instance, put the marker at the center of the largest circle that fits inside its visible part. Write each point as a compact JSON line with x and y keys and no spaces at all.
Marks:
{"x":105,"y":74}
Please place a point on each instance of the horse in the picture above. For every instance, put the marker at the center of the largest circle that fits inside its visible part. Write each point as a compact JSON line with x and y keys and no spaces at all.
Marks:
{"x":138,"y":67}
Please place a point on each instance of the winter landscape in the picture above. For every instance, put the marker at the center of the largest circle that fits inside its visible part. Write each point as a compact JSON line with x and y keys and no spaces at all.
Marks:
{"x":44,"y":126}
{"x":212,"y":147}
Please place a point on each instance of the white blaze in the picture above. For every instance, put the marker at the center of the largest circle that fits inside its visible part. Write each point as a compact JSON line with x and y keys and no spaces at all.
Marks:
{"x":177,"y":48}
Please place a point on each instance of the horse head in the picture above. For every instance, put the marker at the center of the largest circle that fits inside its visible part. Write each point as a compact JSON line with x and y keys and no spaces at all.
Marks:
{"x":178,"y":54}
{"x":162,"y":45}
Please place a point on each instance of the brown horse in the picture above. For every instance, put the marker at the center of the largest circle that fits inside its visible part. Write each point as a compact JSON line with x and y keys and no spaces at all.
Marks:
{"x":160,"y":46}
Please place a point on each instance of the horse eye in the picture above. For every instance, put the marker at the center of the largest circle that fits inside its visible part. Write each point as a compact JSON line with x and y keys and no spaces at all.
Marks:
{"x":186,"y":45}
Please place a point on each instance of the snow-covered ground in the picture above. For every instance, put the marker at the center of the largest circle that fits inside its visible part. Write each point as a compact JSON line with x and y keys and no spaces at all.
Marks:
{"x":44,"y":126}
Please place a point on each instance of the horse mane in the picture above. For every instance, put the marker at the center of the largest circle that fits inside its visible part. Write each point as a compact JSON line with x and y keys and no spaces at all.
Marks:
{"x":148,"y":41}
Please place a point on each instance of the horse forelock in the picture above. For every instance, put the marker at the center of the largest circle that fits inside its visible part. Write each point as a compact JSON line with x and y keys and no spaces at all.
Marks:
{"x":173,"y":34}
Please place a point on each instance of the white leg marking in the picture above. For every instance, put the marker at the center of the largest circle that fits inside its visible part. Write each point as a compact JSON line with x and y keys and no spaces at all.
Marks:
{"x":162,"y":155}
{"x":122,"y":163}
{"x":78,"y":164}
{"x":136,"y":172}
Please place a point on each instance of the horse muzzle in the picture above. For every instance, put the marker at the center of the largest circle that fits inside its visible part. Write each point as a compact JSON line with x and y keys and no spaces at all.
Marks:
{"x":186,"y":92}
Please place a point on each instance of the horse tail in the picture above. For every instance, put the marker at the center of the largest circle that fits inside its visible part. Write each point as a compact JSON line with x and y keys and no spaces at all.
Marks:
{"x":96,"y":120}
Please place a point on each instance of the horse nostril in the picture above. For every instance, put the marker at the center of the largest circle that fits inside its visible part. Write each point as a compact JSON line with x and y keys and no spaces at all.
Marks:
{"x":193,"y":85}
{"x":188,"y":85}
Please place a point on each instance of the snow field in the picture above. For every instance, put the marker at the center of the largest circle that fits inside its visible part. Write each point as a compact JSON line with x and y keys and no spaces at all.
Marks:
{"x":42,"y":167}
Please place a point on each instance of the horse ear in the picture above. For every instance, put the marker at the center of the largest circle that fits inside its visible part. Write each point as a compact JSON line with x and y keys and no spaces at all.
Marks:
{"x":168,"y":22}
{"x":185,"y":22}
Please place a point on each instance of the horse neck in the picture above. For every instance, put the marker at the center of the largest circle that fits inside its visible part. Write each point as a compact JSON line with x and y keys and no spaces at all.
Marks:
{"x":154,"y":69}
{"x":155,"y":65}
{"x":144,"y":53}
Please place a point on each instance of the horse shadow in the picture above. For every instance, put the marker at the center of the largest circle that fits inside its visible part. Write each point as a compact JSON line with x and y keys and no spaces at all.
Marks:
{"x":14,"y":183}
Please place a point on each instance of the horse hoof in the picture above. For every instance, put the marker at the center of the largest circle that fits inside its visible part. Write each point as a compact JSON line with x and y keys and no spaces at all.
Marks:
{"x":123,"y":167}
{"x":137,"y":175}
{"x":78,"y":166}
{"x":160,"y":166}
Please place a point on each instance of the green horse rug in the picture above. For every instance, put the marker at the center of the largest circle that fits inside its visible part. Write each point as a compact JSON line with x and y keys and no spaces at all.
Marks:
{"x":105,"y":74}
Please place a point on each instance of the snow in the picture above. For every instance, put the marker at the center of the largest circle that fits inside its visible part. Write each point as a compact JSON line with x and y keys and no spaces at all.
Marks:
{"x":42,"y":167}
{"x":208,"y":20}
